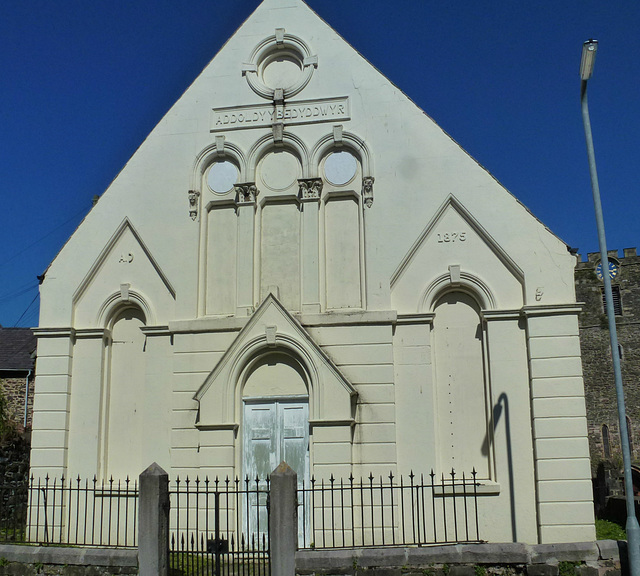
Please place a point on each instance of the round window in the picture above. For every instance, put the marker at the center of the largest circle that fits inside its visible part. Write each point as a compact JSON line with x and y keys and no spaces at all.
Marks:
{"x":340,"y":168}
{"x":222,"y":176}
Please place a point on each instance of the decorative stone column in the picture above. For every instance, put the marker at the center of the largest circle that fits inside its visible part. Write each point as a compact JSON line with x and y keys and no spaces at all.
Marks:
{"x":414,"y":391}
{"x":51,"y":404}
{"x":509,"y":409}
{"x":86,"y":417}
{"x":310,"y":192}
{"x":246,"y":204}
{"x":158,"y":385}
{"x":563,"y":475}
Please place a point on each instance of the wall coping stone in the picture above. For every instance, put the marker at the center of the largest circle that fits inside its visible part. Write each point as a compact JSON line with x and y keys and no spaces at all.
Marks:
{"x":108,"y":557}
{"x":308,"y":561}
{"x":609,"y":549}
{"x":499,"y":553}
{"x":382,"y":557}
{"x":434,"y":555}
{"x":344,"y":561}
{"x":569,"y":551}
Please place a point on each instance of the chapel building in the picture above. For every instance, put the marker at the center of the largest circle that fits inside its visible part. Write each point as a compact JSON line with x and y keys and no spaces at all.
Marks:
{"x":298,"y":264}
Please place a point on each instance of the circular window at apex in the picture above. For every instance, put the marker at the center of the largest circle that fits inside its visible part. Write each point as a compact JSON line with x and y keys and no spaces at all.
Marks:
{"x":281,"y":61}
{"x":340,"y":168}
{"x":222,"y":177}
{"x":281,"y":70}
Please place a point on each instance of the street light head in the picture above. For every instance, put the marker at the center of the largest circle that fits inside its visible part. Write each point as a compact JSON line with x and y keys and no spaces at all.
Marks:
{"x":589,"y":49}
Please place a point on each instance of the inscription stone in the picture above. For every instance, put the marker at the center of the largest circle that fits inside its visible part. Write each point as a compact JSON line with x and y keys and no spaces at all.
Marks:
{"x":264,"y":115}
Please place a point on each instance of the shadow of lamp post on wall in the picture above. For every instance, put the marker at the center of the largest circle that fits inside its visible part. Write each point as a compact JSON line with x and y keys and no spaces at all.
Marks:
{"x":503,"y":400}
{"x":497,"y":411}
{"x":589,"y":49}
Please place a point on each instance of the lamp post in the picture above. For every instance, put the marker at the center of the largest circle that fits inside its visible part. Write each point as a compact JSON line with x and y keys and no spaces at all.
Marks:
{"x":589,"y":49}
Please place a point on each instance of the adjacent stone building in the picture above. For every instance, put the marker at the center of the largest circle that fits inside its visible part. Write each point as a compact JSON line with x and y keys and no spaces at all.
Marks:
{"x":17,"y":374}
{"x":17,"y":378}
{"x":602,"y":414}
{"x":298,"y":264}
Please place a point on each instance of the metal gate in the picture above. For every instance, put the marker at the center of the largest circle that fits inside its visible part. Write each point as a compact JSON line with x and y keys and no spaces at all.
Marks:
{"x":214,"y":529}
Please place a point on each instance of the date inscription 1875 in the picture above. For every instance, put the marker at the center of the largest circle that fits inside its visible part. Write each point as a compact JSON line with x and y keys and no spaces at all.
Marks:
{"x":452,"y":237}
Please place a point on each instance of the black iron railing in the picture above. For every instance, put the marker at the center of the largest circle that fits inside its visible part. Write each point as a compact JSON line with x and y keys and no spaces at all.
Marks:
{"x":391,"y":511}
{"x":220,"y":527}
{"x":70,"y":511}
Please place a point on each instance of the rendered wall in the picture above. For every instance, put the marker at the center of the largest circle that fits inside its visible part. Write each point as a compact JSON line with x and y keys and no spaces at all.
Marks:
{"x":347,"y":222}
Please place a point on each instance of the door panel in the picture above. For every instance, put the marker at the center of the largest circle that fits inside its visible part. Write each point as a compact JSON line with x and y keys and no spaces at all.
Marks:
{"x":260,"y":453}
{"x":274,"y":431}
{"x":295,"y":437}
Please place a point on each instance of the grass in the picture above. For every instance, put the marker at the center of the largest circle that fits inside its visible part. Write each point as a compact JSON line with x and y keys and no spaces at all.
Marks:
{"x":606,"y":530}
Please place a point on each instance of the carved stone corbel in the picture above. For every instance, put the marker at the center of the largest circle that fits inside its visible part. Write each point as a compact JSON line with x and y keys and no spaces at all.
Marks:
{"x":367,"y":190}
{"x":193,"y":203}
{"x":310,"y":188}
{"x":246,"y":193}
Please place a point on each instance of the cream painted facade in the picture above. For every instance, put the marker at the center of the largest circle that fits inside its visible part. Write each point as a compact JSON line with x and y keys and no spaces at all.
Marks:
{"x":295,"y":239}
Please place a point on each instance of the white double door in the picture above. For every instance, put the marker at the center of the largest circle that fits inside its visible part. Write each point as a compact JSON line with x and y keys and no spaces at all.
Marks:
{"x":275,"y":430}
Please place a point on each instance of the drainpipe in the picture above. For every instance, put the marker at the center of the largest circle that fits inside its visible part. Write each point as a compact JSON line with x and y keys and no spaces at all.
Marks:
{"x":26,"y":400}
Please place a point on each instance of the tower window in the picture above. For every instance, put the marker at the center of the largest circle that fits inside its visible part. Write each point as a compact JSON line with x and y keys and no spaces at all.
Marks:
{"x":606,"y":446}
{"x":617,"y":300}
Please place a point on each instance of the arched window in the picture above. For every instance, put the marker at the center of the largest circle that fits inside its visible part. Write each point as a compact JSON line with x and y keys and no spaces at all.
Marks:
{"x":461,"y":388}
{"x":343,"y":240}
{"x":279,"y":226}
{"x":124,"y":398}
{"x":606,"y":445}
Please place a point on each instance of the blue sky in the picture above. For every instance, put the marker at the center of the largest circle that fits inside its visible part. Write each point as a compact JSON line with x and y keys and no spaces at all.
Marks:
{"x":83,"y":83}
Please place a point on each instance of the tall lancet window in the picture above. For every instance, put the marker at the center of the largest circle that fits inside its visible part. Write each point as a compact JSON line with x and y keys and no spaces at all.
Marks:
{"x":461,"y":387}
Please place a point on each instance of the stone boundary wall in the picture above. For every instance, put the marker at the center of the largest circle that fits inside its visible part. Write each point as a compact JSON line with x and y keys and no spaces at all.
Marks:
{"x":49,"y":560}
{"x":600,"y":558}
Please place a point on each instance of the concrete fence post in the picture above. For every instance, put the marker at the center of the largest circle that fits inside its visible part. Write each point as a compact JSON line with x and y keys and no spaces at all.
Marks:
{"x":283,"y":520}
{"x":153,"y":522}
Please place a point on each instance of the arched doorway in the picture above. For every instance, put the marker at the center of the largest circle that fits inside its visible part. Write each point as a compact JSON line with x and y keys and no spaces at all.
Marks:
{"x":275,"y":422}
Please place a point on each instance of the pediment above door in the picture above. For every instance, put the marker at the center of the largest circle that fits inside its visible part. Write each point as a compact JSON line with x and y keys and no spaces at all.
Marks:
{"x":272,"y":329}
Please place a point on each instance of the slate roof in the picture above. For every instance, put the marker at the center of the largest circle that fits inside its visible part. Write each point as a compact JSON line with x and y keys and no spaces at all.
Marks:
{"x":16,"y":349}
